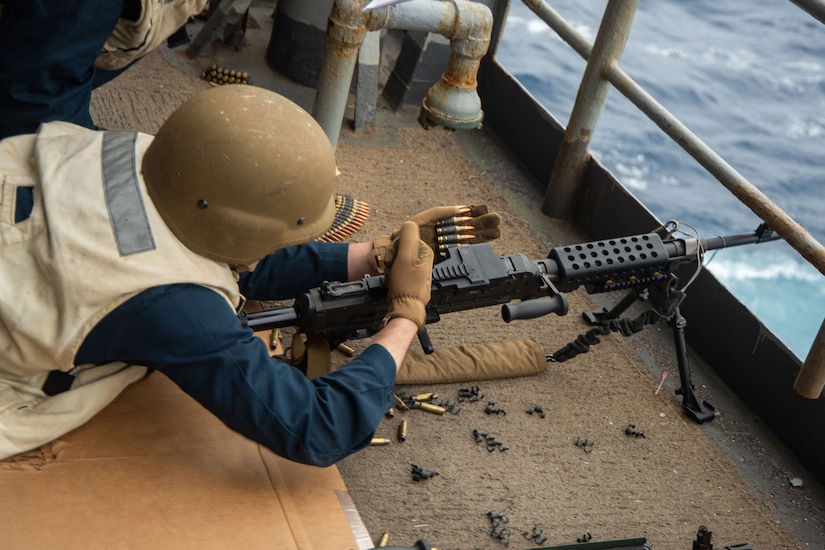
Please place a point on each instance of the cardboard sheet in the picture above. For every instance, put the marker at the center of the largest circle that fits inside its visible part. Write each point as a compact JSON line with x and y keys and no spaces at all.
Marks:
{"x":156,"y":470}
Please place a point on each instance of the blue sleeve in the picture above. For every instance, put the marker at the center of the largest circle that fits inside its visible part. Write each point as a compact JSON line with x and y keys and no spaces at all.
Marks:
{"x":191,"y":335}
{"x":291,"y":271}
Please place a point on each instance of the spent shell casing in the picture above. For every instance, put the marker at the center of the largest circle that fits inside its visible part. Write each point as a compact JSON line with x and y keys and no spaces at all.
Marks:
{"x":379,"y":441}
{"x":390,"y":413}
{"x":430,"y":408}
{"x":400,"y":403}
{"x":385,"y":538}
{"x":349,"y":351}
{"x":402,"y":430}
{"x":274,"y":338}
{"x":425,"y":396}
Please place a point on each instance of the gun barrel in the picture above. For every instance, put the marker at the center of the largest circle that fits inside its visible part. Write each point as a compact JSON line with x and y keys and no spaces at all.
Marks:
{"x":683,"y":247}
{"x":278,"y":318}
{"x":714,"y":243}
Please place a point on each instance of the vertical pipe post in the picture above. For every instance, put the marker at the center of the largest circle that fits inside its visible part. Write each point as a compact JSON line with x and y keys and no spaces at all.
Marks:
{"x":345,"y":34}
{"x":811,"y":378}
{"x":573,"y":154}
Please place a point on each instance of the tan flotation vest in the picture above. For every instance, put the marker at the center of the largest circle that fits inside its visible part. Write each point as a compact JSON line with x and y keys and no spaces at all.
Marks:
{"x":93,"y":240}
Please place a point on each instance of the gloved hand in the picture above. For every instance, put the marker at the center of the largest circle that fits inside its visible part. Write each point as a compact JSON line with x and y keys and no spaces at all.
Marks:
{"x":444,"y":226}
{"x":409,"y":275}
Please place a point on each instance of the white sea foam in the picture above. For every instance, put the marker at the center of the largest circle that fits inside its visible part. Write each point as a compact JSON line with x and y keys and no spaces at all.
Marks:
{"x":761,"y":267}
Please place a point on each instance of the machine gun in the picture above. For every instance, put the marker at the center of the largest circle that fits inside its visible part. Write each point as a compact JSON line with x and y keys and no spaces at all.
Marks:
{"x":475,"y":276}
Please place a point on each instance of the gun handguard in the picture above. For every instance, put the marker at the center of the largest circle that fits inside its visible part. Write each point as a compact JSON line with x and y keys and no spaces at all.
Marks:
{"x":637,"y":260}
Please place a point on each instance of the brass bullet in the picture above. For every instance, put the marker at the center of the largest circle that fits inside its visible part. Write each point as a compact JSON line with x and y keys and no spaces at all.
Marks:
{"x":274,"y":338}
{"x":453,"y":229}
{"x":385,"y":538}
{"x":455,"y":220}
{"x":400,"y":403}
{"x":425,"y":396}
{"x":435,"y":409}
{"x":402,"y":430}
{"x":349,"y":351}
{"x":452,"y":239}
{"x":379,"y":441}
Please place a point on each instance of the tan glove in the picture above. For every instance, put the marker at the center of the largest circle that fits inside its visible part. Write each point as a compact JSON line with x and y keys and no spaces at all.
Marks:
{"x":409,"y":276}
{"x":444,"y":226}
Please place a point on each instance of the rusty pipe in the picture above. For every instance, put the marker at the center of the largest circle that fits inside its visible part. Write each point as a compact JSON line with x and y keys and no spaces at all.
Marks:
{"x":452,"y":102}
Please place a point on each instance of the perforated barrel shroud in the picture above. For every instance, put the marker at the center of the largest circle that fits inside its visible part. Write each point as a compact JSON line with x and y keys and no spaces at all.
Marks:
{"x":611,"y":264}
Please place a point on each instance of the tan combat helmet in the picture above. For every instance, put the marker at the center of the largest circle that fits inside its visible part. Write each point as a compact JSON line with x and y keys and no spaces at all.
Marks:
{"x":238,"y":172}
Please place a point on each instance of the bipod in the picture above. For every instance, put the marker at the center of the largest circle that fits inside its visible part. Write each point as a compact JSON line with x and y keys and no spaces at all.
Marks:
{"x":664,"y":302}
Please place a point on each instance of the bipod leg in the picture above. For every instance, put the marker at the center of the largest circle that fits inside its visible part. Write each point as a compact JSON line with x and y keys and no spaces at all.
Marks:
{"x":596,"y":316}
{"x":700,"y":412}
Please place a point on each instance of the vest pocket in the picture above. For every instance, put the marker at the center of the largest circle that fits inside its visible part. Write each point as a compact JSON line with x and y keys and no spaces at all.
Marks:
{"x":21,"y":216}
{"x":11,"y":400}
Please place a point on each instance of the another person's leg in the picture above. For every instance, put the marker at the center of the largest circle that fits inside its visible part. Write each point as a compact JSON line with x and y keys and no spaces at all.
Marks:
{"x":48,"y":50}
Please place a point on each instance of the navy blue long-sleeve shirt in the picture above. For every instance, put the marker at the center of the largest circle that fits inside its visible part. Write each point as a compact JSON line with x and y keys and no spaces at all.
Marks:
{"x":188,"y":333}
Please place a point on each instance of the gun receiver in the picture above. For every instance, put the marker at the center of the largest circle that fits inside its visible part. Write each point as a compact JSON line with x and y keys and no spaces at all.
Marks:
{"x":469,"y":277}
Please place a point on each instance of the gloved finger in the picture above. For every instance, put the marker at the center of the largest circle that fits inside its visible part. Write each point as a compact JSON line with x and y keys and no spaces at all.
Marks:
{"x":433,"y":215}
{"x":476,"y":211}
{"x":445,"y":214}
{"x":485,"y":221}
{"x":468,"y":218}
{"x":470,"y":226}
{"x":481,"y":229}
{"x":405,"y":237}
{"x":410,"y":249}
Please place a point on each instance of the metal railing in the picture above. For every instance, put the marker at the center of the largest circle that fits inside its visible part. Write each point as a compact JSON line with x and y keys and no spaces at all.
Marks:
{"x":603,"y":71}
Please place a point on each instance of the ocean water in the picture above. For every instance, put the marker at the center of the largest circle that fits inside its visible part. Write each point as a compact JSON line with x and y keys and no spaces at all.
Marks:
{"x":748,"y":78}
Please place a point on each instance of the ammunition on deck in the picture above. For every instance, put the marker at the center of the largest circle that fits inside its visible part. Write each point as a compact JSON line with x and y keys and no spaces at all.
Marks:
{"x":385,"y":538}
{"x":402,"y":431}
{"x":379,"y":441}
{"x":274,"y":338}
{"x":425,"y":396}
{"x":349,"y":351}
{"x":400,"y":403}
{"x":390,"y":413}
{"x":435,"y":409}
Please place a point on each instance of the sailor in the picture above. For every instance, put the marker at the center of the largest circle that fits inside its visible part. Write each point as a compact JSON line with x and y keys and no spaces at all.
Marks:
{"x":53,"y":53}
{"x":122,"y":253}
